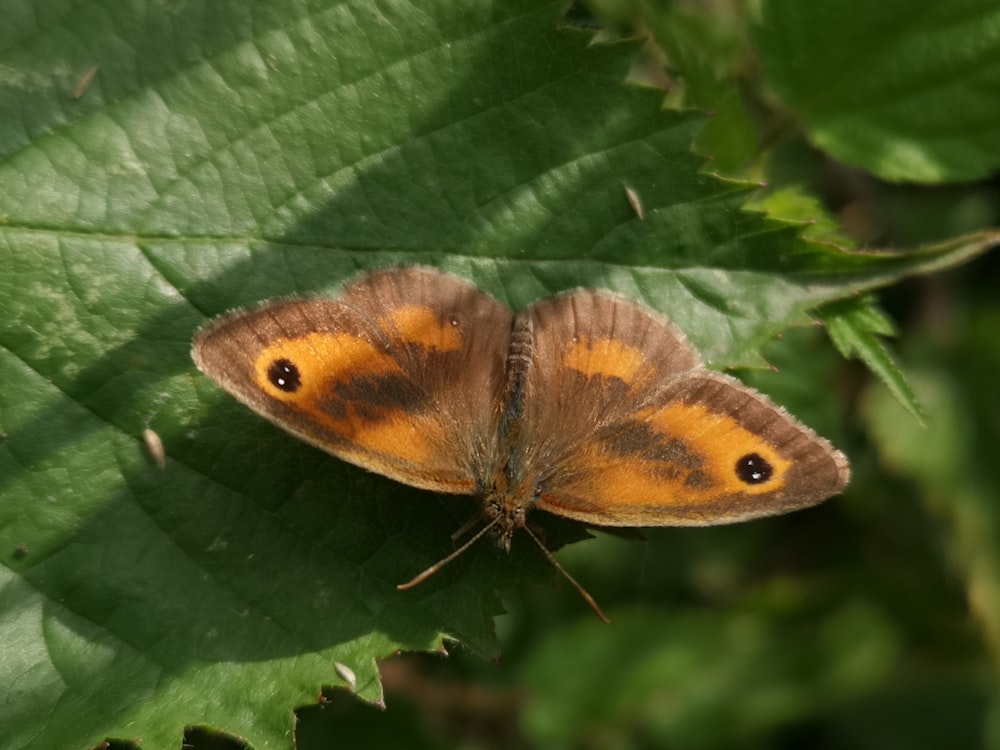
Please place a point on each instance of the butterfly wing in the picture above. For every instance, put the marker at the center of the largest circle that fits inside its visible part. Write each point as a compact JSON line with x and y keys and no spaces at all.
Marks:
{"x":400,"y":374}
{"x":626,"y":428}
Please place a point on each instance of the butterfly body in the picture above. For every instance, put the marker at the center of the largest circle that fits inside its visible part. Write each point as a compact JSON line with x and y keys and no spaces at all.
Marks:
{"x":585,"y":404}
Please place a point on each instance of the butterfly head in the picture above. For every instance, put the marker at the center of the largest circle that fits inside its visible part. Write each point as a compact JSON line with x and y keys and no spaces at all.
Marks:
{"x":505,"y":516}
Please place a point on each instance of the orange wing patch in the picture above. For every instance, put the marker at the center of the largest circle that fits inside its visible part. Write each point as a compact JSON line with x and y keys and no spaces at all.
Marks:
{"x":677,"y":464}
{"x":319,"y":359}
{"x":722,"y":442}
{"x":420,"y":326}
{"x":355,"y":390}
{"x":604,"y":358}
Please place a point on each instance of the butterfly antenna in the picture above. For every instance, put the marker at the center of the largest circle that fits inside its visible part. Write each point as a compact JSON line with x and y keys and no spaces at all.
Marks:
{"x":421,"y":577}
{"x":565,"y":573}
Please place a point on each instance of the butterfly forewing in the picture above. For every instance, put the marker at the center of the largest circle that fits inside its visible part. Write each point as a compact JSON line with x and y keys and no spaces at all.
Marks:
{"x":401,"y":374}
{"x":624,"y":427}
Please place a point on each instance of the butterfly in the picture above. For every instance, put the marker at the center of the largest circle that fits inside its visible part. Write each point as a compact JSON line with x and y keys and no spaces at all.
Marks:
{"x":585,"y":404}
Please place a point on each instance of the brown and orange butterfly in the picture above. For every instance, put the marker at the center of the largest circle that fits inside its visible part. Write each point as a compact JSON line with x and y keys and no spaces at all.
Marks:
{"x":585,"y":404}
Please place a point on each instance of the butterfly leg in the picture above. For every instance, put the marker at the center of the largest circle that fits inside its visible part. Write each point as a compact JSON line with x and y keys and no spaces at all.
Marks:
{"x":565,"y":574}
{"x":466,"y":527}
{"x":421,"y":577}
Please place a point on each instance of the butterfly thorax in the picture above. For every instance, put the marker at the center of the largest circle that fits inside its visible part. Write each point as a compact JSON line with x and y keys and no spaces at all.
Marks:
{"x":513,"y":488}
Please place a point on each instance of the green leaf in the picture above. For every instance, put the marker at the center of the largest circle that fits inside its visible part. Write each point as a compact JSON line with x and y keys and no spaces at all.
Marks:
{"x":903,"y":88}
{"x":855,"y":327}
{"x":706,"y":47}
{"x":225,"y":153}
{"x":794,"y":204}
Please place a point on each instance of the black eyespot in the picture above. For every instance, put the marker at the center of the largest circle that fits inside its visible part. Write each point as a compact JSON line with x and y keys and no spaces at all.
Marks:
{"x":284,"y":375}
{"x":753,"y":469}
